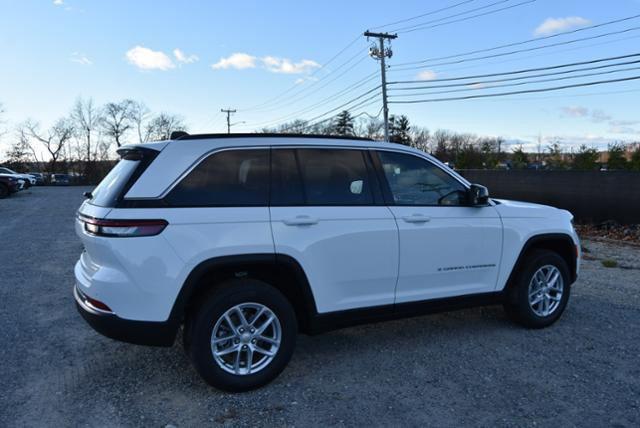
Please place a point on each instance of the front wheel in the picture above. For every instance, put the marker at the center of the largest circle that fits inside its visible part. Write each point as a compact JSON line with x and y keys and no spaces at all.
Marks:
{"x":540,"y":291}
{"x":243,"y":335}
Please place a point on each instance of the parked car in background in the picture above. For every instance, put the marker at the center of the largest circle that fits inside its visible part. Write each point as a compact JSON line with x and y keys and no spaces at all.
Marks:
{"x":9,"y":184}
{"x":39,"y":177}
{"x":29,"y":180}
{"x":60,"y":179}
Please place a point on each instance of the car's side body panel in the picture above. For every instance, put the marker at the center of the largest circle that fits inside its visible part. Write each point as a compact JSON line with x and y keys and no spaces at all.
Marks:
{"x":350,"y":254}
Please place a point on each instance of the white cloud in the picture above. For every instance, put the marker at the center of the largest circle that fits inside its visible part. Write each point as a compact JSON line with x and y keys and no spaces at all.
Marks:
{"x":80,"y":59}
{"x":575,"y":111}
{"x":599,"y":116}
{"x":238,"y":60}
{"x":427,"y":75}
{"x":147,"y":59}
{"x":305,"y":79}
{"x":184,"y":58}
{"x":286,"y":66}
{"x":624,"y":130}
{"x":556,"y":25}
{"x":58,"y":2}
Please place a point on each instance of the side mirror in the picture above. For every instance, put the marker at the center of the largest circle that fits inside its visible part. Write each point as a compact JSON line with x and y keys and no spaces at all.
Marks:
{"x":478,"y":195}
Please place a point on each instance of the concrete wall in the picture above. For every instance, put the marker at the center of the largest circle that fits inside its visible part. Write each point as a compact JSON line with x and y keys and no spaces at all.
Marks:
{"x":592,"y":196}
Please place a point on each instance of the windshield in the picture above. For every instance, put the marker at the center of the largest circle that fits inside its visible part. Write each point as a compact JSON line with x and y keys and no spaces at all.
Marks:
{"x":109,"y":189}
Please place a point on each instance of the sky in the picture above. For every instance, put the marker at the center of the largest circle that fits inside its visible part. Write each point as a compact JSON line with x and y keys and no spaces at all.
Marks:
{"x":276,"y":60}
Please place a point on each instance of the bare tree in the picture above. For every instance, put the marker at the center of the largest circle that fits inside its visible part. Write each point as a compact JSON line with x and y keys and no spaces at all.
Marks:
{"x":420,"y":138}
{"x":54,"y":140}
{"x":161,"y":126}
{"x":140,"y":114}
{"x":86,"y":119}
{"x":118,"y":119}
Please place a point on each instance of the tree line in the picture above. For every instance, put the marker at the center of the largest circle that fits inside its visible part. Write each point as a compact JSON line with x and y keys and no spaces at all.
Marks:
{"x":469,"y":151}
{"x":84,"y":139}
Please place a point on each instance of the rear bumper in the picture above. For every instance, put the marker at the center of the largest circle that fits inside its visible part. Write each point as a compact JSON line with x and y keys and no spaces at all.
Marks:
{"x":138,"y":332}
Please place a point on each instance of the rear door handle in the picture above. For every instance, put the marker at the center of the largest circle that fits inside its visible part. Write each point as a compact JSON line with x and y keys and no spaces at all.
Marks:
{"x":416,"y":218}
{"x":300,"y":220}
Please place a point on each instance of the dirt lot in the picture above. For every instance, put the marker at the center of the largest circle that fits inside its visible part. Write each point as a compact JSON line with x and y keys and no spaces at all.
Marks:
{"x":470,"y":367}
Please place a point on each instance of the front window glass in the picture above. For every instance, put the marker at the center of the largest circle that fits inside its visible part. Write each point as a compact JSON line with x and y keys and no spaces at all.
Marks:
{"x":416,"y":181}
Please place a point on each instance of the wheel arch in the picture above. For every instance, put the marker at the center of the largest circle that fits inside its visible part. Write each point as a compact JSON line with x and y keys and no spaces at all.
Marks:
{"x":281,"y":271}
{"x":560,"y":243}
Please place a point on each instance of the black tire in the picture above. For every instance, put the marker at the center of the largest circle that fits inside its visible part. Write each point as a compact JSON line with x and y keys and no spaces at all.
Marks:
{"x":220,"y":300}
{"x":4,"y":191}
{"x":517,"y":304}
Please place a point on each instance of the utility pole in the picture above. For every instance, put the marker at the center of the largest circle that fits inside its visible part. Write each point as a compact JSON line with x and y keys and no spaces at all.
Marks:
{"x":381,"y":53}
{"x":229,"y":112}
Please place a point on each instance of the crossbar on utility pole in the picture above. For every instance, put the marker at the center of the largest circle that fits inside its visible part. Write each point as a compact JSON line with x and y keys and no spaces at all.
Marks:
{"x":229,"y":112}
{"x":381,"y":53}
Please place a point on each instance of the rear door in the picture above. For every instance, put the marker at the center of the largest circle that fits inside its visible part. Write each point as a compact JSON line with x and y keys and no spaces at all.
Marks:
{"x":327,"y":213}
{"x":447,"y":248}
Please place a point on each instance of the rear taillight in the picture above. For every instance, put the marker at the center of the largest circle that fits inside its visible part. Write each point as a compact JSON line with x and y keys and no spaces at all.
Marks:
{"x":122,"y":228}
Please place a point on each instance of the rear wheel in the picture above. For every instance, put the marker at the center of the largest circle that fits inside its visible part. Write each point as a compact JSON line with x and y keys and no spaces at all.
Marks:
{"x":242,"y":336}
{"x":540,"y":291}
{"x":4,"y":191}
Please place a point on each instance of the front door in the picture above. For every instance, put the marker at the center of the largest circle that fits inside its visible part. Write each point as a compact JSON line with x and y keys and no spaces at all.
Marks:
{"x":446,"y":247}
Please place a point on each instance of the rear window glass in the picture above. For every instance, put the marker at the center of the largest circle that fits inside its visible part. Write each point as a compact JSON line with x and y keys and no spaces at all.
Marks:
{"x":228,"y":178}
{"x":334,"y":177}
{"x":109,"y":189}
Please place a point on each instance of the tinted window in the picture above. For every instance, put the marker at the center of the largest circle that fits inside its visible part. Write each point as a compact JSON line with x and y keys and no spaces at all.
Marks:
{"x":415,"y":181}
{"x":286,"y":185}
{"x":109,"y":189}
{"x":334,"y":177}
{"x":228,"y":178}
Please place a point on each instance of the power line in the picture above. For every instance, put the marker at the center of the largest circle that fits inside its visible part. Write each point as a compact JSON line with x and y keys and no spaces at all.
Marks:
{"x":342,"y":106}
{"x":555,"y":79}
{"x":567,"y":42}
{"x":363,"y":113}
{"x":521,"y":71}
{"x":298,"y":96}
{"x":526,"y":91}
{"x":427,"y":27}
{"x":529,"y":57}
{"x":322,"y":102}
{"x":322,"y":67}
{"x":535,"y":39}
{"x":433,"y":12}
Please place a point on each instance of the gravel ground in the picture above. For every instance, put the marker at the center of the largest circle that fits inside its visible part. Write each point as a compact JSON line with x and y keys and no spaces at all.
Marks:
{"x":469,"y":367}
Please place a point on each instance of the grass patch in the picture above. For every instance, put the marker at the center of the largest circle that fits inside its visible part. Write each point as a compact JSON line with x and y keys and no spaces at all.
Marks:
{"x":608,"y":263}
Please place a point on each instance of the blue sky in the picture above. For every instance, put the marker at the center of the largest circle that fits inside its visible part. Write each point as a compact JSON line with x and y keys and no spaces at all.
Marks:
{"x":243,"y":53}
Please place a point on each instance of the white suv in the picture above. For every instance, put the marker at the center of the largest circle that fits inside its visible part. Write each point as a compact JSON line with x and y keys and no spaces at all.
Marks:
{"x":248,"y":239}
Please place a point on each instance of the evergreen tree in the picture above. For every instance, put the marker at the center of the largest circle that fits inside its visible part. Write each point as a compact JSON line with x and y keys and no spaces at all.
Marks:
{"x":399,"y":130}
{"x":616,"y":156}
{"x":343,"y":124}
{"x":520,"y":158}
{"x":585,"y":159}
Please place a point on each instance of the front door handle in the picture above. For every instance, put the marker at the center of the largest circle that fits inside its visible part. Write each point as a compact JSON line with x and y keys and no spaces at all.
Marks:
{"x":300,"y":220}
{"x":416,"y":218}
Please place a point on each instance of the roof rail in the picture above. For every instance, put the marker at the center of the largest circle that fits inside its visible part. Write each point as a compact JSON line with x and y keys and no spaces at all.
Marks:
{"x":181,"y":135}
